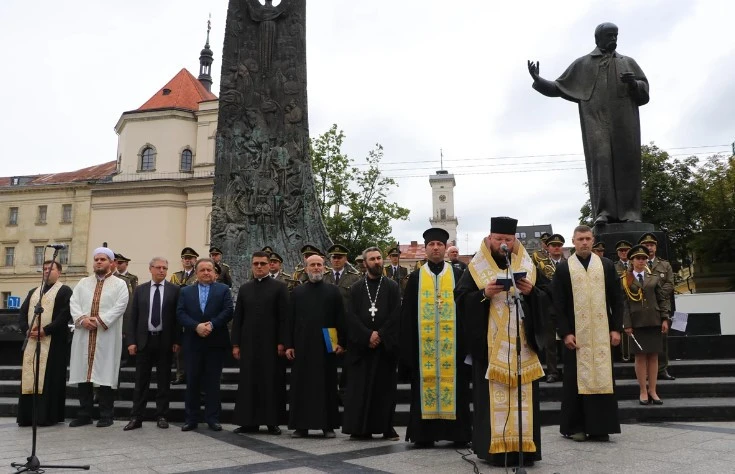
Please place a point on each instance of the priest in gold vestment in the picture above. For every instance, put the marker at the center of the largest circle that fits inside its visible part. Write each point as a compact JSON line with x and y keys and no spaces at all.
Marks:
{"x":490,"y":331}
{"x":589,"y":305}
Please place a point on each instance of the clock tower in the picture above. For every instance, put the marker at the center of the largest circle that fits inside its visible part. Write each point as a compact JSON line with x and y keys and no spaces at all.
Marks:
{"x":442,"y":199}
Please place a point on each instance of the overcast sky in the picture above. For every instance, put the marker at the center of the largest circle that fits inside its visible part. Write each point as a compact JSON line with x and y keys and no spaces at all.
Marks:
{"x":416,"y":76}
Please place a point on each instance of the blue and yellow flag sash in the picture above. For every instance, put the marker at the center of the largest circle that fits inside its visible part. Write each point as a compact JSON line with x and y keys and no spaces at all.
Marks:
{"x":437,"y":344}
{"x":330,"y":338}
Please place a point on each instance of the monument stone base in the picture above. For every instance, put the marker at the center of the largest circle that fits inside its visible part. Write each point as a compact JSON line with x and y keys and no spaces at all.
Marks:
{"x":610,"y":234}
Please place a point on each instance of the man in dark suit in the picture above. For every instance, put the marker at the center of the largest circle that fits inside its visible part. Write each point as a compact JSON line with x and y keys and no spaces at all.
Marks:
{"x":204,"y":309}
{"x":153,"y":336}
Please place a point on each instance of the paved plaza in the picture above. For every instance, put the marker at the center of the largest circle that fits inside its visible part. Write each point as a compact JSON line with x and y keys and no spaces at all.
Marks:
{"x":650,"y":448}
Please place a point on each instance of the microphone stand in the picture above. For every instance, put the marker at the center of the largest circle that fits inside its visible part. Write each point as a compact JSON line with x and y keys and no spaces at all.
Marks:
{"x":517,"y":300}
{"x":33,"y":464}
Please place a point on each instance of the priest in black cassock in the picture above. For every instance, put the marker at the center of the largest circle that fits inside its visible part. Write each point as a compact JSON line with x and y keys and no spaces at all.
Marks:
{"x":432,"y":349}
{"x":316,"y":307}
{"x":52,"y":333}
{"x":372,"y":328}
{"x":258,"y":336}
{"x":589,"y":305}
{"x":490,"y":331}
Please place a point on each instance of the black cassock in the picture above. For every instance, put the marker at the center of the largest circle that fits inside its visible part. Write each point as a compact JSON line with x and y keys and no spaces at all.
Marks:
{"x":259,"y":325}
{"x":50,"y":403}
{"x":591,"y":414}
{"x":313,"y":395}
{"x":370,"y":396}
{"x":474,"y":314}
{"x":420,"y":430}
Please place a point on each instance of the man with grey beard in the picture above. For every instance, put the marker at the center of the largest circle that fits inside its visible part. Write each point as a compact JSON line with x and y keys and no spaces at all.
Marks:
{"x":317,"y":311}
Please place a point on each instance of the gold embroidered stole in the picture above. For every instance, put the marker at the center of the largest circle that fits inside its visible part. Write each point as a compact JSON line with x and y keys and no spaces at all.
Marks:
{"x":592,"y":331}
{"x":437,"y":344}
{"x":29,"y":365}
{"x":502,"y":370}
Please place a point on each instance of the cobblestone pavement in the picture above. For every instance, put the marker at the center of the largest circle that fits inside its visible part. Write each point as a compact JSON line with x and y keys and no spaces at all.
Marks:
{"x":648,"y":448}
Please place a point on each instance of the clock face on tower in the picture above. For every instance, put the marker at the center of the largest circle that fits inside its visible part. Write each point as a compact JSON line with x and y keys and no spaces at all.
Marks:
{"x":442,"y":198}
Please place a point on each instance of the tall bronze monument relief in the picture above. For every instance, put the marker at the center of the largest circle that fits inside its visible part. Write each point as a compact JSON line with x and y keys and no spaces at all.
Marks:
{"x":609,"y":88}
{"x":263,"y":189}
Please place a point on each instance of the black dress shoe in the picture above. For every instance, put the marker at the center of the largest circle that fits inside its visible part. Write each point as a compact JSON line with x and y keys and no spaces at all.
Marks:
{"x":391,"y":435}
{"x":189,"y":427}
{"x":644,"y":402}
{"x":274,"y":430}
{"x":665,"y":375}
{"x":133,"y":425}
{"x":657,"y":402}
{"x":179,"y":381}
{"x":104,"y":422}
{"x":215,"y":426}
{"x":162,"y":423}
{"x":80,"y":422}
{"x":551,"y":378}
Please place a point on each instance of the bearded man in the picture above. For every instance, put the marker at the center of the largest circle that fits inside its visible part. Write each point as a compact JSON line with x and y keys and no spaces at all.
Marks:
{"x":317,"y":313}
{"x":97,"y":306}
{"x":487,"y":310}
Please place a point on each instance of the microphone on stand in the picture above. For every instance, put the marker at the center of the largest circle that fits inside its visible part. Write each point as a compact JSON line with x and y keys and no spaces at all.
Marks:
{"x":57,"y":246}
{"x":504,"y":248}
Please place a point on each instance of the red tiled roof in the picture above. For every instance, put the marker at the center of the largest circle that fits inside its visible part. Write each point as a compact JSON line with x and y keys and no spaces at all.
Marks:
{"x":85,"y":174}
{"x":413,"y":251}
{"x":184,"y":92}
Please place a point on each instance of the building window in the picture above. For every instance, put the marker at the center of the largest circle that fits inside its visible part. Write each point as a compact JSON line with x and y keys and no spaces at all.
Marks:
{"x":66,"y":213}
{"x":6,"y":297}
{"x":42,"y":214}
{"x":38,"y":255}
{"x":148,"y":159}
{"x":187,"y":160}
{"x":442,"y":214}
{"x":523,"y":235}
{"x":9,"y":256}
{"x":537,"y":234}
{"x":118,"y":166}
{"x":64,"y":256}
{"x":13,"y":216}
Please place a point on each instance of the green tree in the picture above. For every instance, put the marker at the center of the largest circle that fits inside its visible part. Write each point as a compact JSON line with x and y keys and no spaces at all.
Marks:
{"x":715,"y":182}
{"x":354,"y":202}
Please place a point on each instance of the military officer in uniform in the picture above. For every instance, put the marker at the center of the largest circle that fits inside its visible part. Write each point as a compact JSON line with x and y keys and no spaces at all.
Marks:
{"x":599,"y":248}
{"x":306,"y":251}
{"x":119,"y":269}
{"x":394,"y":270}
{"x":622,"y":264}
{"x":122,"y":270}
{"x":224,"y":274}
{"x":360,"y":264}
{"x":275,"y":266}
{"x":542,"y":253}
{"x":661,"y":268}
{"x":267,"y":249}
{"x":545,"y":269}
{"x":341,"y":274}
{"x":185,"y":277}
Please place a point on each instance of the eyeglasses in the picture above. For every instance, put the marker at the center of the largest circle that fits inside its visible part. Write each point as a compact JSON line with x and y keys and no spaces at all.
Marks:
{"x":260,"y":264}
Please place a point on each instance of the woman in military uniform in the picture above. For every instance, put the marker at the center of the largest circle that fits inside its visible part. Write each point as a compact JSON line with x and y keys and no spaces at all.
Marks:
{"x":645,"y":318}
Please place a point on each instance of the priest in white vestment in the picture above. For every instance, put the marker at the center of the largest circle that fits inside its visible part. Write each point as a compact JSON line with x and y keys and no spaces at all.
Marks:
{"x":97,"y":307}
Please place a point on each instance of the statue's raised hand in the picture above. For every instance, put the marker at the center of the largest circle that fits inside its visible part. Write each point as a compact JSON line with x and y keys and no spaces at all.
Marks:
{"x":533,"y":70}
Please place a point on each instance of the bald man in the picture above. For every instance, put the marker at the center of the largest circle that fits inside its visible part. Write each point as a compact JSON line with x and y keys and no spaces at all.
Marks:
{"x":453,"y":256}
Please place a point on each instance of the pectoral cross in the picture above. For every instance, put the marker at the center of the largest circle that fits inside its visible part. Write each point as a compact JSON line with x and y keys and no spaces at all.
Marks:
{"x":373,"y":310}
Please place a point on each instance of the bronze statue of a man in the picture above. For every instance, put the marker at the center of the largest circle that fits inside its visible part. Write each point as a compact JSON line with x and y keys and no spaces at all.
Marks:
{"x":609,"y":88}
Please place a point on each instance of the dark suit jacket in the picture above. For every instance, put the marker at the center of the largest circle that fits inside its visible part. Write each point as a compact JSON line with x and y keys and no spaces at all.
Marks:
{"x":137,"y":330}
{"x":219,"y":310}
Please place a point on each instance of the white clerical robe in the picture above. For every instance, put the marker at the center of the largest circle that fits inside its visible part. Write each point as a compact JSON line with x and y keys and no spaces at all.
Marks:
{"x":95,"y":355}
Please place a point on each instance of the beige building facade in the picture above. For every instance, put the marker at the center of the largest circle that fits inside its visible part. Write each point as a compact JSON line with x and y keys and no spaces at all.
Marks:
{"x":155,"y":199}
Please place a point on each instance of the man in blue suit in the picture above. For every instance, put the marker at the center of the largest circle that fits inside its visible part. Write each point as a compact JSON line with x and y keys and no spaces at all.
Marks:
{"x":204,"y":309}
